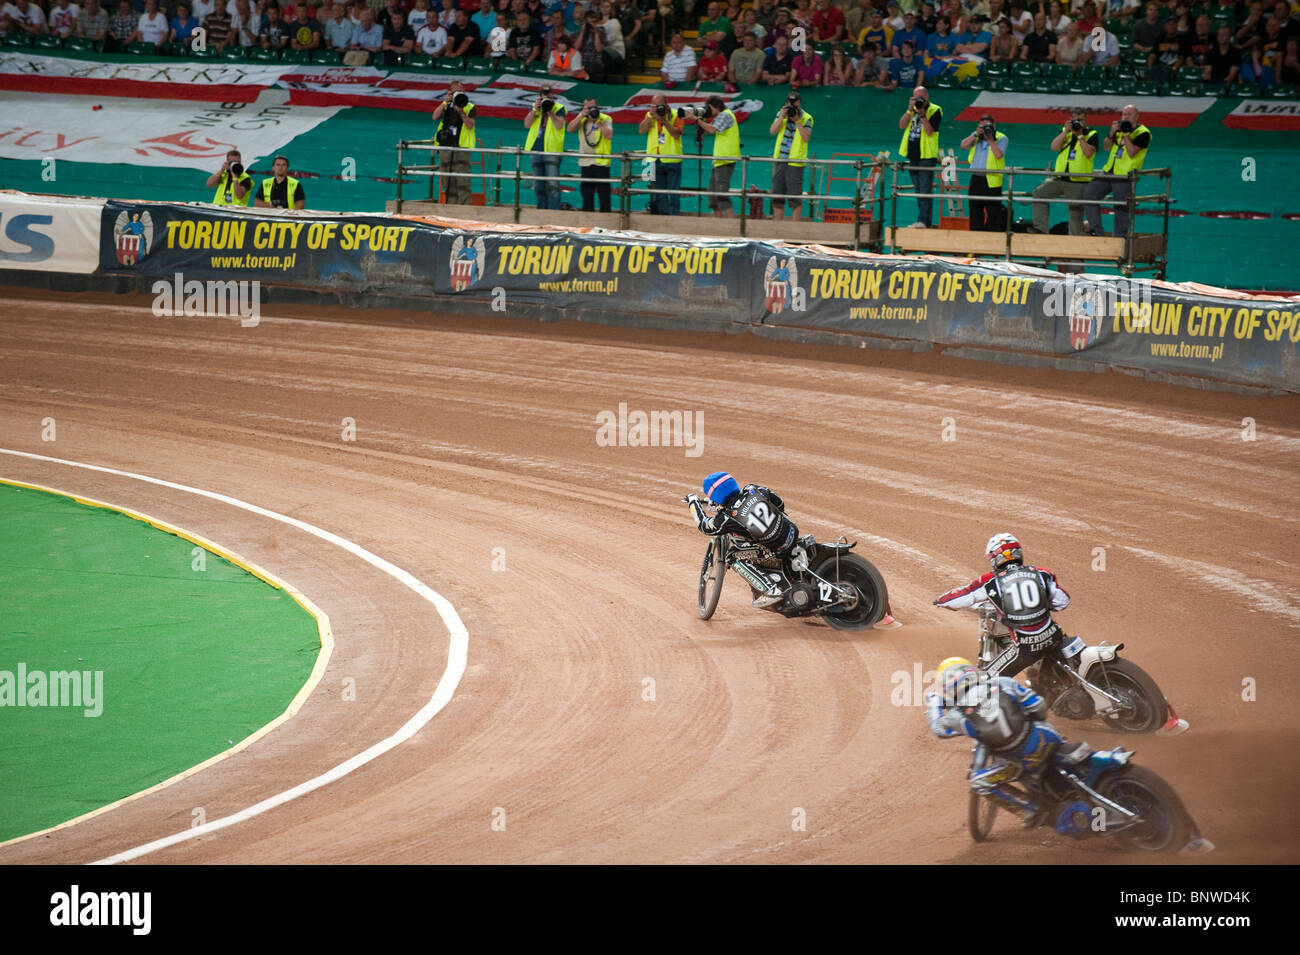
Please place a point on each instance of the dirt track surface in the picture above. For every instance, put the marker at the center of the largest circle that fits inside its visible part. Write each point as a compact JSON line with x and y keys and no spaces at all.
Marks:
{"x":480,"y":435}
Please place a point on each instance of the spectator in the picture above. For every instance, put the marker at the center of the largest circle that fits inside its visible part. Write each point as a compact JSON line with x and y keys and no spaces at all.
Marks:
{"x":781,"y":26}
{"x":1075,"y":146}
{"x":398,"y":40}
{"x":552,"y":29}
{"x":497,"y":44}
{"x":1071,"y":48}
{"x":713,"y":65}
{"x":910,"y":32}
{"x":121,"y":26}
{"x":715,"y":26}
{"x":1004,"y":47}
{"x":765,"y":13}
{"x":29,"y":18}
{"x":929,"y":18}
{"x":828,"y":22}
{"x":246,"y":24}
{"x":456,"y":117}
{"x":920,"y":145}
{"x":678,"y":65}
{"x":338,"y":29}
{"x":720,"y":123}
{"x":807,"y":68}
{"x":233,"y":183}
{"x":779,"y":63}
{"x":746,"y":64}
{"x":1040,"y":43}
{"x":274,"y":34}
{"x":907,"y":70}
{"x":485,"y":18}
{"x":839,"y":68}
{"x":1104,"y":49}
{"x":565,"y":60}
{"x":545,"y":124}
{"x":858,"y":18}
{"x":615,"y":46}
{"x":663,"y":127}
{"x":867,"y":68}
{"x":62,"y":19}
{"x":152,"y":26}
{"x":182,"y":25}
{"x":1167,"y":56}
{"x":1223,"y":62}
{"x":590,"y":46}
{"x":280,"y":190}
{"x":304,"y":29}
{"x":793,"y":129}
{"x":1264,"y":60}
{"x":988,"y":150}
{"x":1022,"y":21}
{"x":1287,"y":25}
{"x":1290,"y":72}
{"x":595,"y":133}
{"x":631,"y":21}
{"x":1128,"y":142}
{"x":217,"y":25}
{"x":1250,"y":31}
{"x":463,"y":37}
{"x":199,"y":9}
{"x":1147,"y":32}
{"x":976,"y":40}
{"x":525,"y":41}
{"x":893,"y":20}
{"x":1200,"y":43}
{"x":877,"y":32}
{"x":801,"y":15}
{"x":941,"y":42}
{"x":1057,"y":21}
{"x":418,"y":16}
{"x":1087,"y":18}
{"x":92,"y":24}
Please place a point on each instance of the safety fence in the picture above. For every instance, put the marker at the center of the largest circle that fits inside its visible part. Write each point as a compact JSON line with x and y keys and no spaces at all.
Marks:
{"x":999,"y":310}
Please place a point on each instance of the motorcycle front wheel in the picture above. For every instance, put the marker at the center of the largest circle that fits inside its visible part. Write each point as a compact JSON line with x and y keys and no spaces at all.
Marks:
{"x":711,"y":575}
{"x":983,"y":813}
{"x":873,"y":597}
{"x":1163,"y":824}
{"x":1146,"y":710}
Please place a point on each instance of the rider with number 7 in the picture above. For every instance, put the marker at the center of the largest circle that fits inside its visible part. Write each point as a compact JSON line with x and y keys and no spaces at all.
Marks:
{"x":756,"y":513}
{"x":1024,"y":595}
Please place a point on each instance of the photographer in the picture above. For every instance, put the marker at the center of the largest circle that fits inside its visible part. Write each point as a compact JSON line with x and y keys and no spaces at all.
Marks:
{"x":595,"y":133}
{"x":280,"y":190}
{"x":663,"y":126}
{"x":920,"y":144}
{"x":793,"y":129}
{"x":720,"y":123}
{"x":455,"y":117}
{"x":234,"y":186}
{"x":1128,"y":141}
{"x":1075,"y":146}
{"x":547,"y":118}
{"x":988,"y":152}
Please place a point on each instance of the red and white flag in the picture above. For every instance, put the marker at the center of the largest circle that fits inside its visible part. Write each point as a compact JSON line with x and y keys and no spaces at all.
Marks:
{"x":1267,"y":114}
{"x":1169,"y":112}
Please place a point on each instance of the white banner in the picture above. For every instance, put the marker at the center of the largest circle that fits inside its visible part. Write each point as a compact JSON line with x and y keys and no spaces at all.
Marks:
{"x":49,"y":233}
{"x":213,"y":80}
{"x":149,"y":132}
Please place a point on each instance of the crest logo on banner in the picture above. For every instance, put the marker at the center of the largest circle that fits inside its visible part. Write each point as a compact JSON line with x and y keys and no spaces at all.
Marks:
{"x":467,"y":261}
{"x":780,"y":279}
{"x":132,"y":237}
{"x":1086,"y":307}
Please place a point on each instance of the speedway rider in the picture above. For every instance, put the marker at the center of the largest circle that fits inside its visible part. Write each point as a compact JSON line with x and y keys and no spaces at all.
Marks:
{"x":1005,"y":716}
{"x":755,"y":513}
{"x":1024,"y":596}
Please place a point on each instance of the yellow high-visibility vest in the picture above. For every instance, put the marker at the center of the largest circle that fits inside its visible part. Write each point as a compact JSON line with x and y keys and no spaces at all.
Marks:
{"x":291,"y":193}
{"x":994,"y":162}
{"x":224,"y":198}
{"x":798,"y":145}
{"x":1079,"y":163}
{"x":929,"y":141}
{"x":659,"y":143}
{"x":1120,"y":162}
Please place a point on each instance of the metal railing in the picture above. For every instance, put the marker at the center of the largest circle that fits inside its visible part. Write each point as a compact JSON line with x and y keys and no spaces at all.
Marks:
{"x":1152,"y":204}
{"x":634,"y":168}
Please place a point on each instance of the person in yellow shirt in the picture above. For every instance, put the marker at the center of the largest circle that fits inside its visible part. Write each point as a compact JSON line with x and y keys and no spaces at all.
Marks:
{"x":662,"y":127}
{"x":878,"y":32}
{"x":987,"y":158}
{"x":1128,"y":141}
{"x":234,"y":186}
{"x":792,"y":129}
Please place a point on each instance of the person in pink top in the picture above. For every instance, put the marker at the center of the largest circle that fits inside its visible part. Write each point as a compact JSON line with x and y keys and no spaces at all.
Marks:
{"x":807,"y":69}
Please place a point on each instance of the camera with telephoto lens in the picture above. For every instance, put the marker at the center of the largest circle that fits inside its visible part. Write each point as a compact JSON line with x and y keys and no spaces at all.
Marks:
{"x":661,"y":110}
{"x":986,"y":128}
{"x":792,"y":107}
{"x":593,"y":112}
{"x":460,"y":100}
{"x":1076,"y":126}
{"x":237,"y":169}
{"x":1125,"y":126}
{"x":548,"y":105}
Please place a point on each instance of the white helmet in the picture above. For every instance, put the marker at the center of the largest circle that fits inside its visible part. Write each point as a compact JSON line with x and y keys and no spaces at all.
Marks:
{"x":1004,"y":549}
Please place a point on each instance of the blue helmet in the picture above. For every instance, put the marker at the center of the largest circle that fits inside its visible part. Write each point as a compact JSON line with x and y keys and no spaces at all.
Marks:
{"x":719,"y":486}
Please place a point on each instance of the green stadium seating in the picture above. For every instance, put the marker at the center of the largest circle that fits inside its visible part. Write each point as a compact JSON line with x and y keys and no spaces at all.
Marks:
{"x":1024,"y":68}
{"x":995,"y":69}
{"x":327,"y":57}
{"x":207,"y":53}
{"x":1061,"y":71}
{"x":1283,"y":91}
{"x":448,"y":65}
{"x":17,"y":39}
{"x":47,"y":42}
{"x":142,"y":49}
{"x":235,"y":52}
{"x":419,"y":61}
{"x":295,"y":56}
{"x":1188,"y":73}
{"x":511,"y":66}
{"x":1186,"y":88}
{"x":175,"y":49}
{"x":1090,"y":71}
{"x":995,"y":83}
{"x":259,"y":55}
{"x":81,"y":44}
{"x":1147,"y":88}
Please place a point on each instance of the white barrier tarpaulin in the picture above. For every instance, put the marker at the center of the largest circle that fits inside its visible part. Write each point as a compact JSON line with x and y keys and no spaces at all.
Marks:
{"x":49,"y":233}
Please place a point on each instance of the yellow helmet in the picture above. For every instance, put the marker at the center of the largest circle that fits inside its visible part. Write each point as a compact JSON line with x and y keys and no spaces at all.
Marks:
{"x":955,"y":675}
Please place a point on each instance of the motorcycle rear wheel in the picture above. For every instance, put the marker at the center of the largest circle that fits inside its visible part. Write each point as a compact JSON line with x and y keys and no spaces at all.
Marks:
{"x":1148,"y":710}
{"x":873,"y":596}
{"x":1165,"y":825}
{"x":711,"y":574}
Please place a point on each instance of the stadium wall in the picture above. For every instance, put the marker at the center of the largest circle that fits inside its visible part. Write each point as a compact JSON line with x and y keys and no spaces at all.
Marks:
{"x":1197,"y":335}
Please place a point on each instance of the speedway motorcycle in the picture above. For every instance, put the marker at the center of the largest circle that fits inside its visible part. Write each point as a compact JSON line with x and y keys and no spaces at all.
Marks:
{"x":1080,"y":682}
{"x":843,"y":588}
{"x":1105,"y":794}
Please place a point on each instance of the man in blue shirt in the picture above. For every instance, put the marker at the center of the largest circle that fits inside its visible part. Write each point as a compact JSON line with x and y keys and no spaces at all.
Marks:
{"x":911,"y":32}
{"x":485,"y":19}
{"x":906,"y":69}
{"x":941,"y":42}
{"x":988,"y":156}
{"x":975,"y":40}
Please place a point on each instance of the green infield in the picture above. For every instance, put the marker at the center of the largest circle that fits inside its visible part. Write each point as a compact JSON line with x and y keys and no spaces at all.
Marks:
{"x":130,"y":655}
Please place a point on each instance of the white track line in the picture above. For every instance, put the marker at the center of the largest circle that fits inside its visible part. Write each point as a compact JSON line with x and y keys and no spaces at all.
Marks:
{"x":457,"y":654}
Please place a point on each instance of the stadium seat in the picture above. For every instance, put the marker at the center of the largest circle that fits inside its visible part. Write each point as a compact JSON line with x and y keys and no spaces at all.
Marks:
{"x":81,"y":44}
{"x":1147,"y":88}
{"x":1283,"y":91}
{"x":419,"y":61}
{"x":1095,"y":86}
{"x":142,"y":49}
{"x":946,"y":82}
{"x":258,"y":55}
{"x":47,"y":42}
{"x":1118,"y":27}
{"x":1188,"y":73}
{"x":1076,"y":85}
{"x":235,"y":52}
{"x":17,"y":39}
{"x":327,"y":57}
{"x":1242,"y":90}
{"x":1091,"y":71}
{"x":175,"y":49}
{"x":1186,"y":88}
{"x":448,"y":65}
{"x":207,"y":53}
{"x":511,"y":66}
{"x":977,"y":82}
{"x":295,"y":56}
{"x":995,"y":83}
{"x":1024,"y":68}
{"x":1061,"y":71}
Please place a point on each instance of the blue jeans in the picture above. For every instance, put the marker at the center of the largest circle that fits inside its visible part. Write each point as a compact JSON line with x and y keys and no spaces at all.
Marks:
{"x":668,"y":175}
{"x":923,"y":181}
{"x":545,"y":168}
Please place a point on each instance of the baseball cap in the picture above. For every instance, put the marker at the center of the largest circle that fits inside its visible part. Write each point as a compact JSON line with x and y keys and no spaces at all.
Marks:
{"x":710,"y":44}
